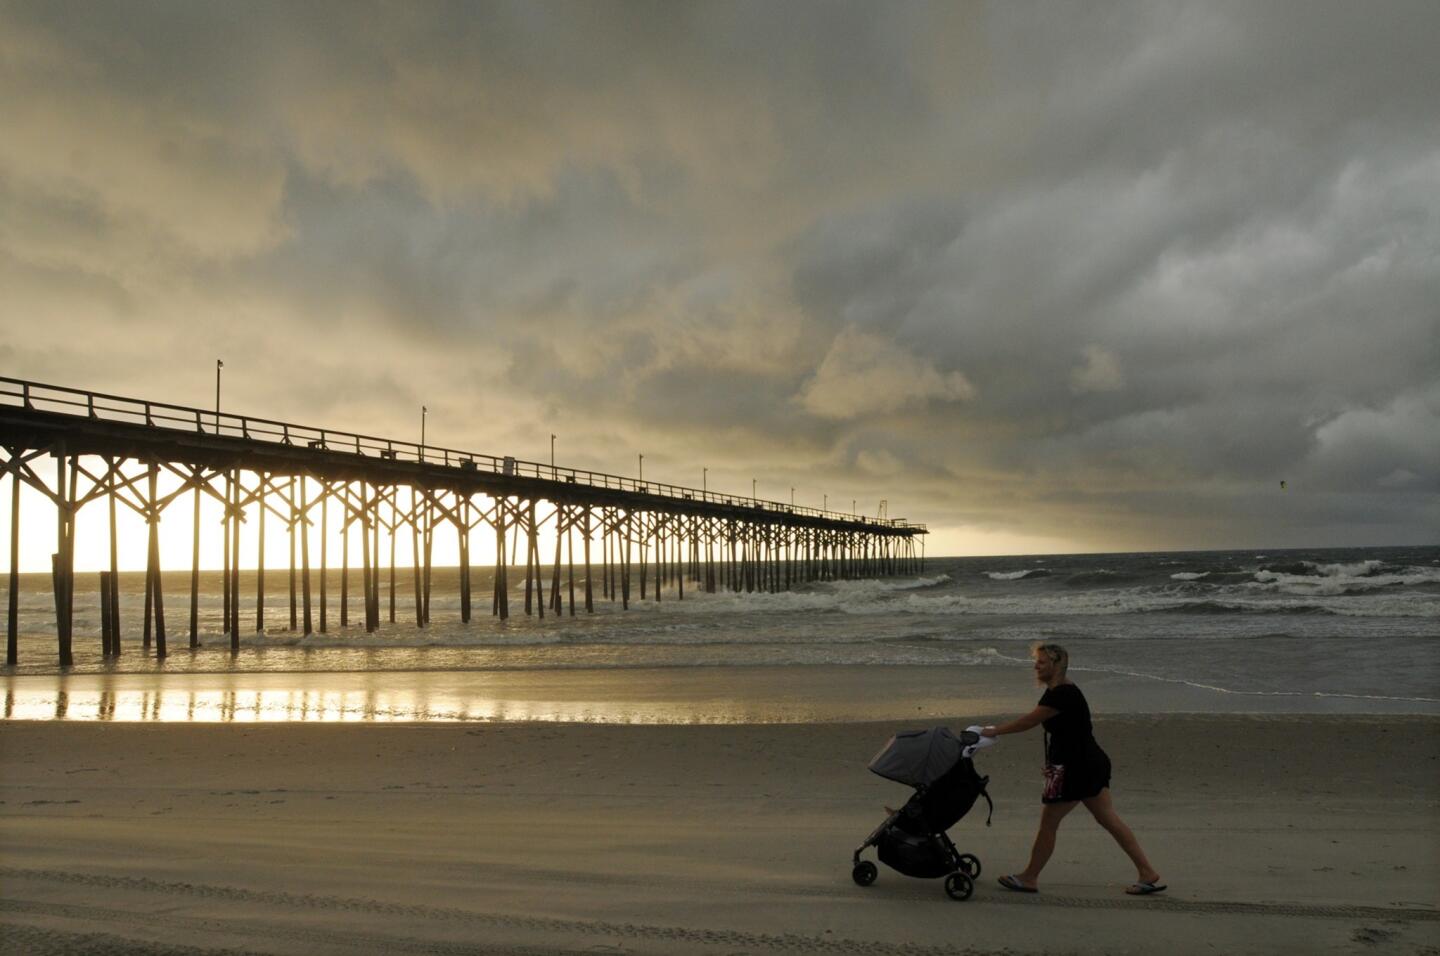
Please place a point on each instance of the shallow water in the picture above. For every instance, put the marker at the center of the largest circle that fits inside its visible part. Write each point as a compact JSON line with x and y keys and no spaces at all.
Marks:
{"x":1356,"y":625}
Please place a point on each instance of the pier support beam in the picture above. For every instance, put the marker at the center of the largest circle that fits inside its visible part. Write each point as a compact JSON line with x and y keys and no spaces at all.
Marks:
{"x":292,"y":525}
{"x":462,"y":531}
{"x":262,"y":484}
{"x":345,"y":558}
{"x":324,"y":536}
{"x":194,"y":559}
{"x":305,"y":554}
{"x":394,"y":526}
{"x":589,"y":592}
{"x":64,"y":563}
{"x":110,"y":586}
{"x":502,"y":587}
{"x":225,"y":555}
{"x":157,"y":595}
{"x":415,"y":558}
{"x":105,"y":628}
{"x":12,"y":613}
{"x":236,"y":515}
{"x":428,"y":540}
{"x":368,"y":573}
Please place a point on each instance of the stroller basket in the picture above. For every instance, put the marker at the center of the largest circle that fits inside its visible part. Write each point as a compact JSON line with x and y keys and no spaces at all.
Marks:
{"x":925,"y":857}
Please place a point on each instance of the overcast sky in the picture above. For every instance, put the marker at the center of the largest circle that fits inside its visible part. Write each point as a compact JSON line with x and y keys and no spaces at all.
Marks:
{"x":1062,"y":276}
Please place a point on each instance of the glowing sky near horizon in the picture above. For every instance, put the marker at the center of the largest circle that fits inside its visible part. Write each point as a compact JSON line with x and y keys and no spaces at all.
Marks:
{"x":1046,"y":277}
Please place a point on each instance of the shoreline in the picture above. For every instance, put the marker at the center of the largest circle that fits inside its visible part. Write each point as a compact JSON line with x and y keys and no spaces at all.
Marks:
{"x":1276,"y":833}
{"x":758,"y":694}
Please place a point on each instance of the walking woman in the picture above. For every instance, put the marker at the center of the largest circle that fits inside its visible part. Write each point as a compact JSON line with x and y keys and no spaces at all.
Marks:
{"x":1076,"y":771}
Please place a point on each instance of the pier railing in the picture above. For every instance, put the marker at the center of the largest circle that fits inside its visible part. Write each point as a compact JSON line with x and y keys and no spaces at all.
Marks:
{"x":99,"y":406}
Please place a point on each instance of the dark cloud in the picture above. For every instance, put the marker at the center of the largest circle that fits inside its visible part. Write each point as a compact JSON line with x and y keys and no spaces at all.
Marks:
{"x":1098,"y":276}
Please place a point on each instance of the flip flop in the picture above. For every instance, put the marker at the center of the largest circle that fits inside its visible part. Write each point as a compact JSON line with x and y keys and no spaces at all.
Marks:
{"x":1011,"y":883}
{"x":1144,"y":888}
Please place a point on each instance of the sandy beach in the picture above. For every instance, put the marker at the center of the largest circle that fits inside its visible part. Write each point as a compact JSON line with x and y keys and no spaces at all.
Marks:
{"x":1276,"y":834}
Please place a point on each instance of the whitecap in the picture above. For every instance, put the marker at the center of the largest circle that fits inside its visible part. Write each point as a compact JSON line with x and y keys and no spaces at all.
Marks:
{"x":1354,"y":570}
{"x":1340,"y":579}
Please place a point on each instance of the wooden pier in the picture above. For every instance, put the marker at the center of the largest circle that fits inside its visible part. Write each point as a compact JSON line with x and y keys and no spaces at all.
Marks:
{"x":647,"y":538}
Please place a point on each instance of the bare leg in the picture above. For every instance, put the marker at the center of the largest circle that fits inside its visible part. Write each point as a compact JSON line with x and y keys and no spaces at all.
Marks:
{"x":1050,"y":816}
{"x":1103,"y":810}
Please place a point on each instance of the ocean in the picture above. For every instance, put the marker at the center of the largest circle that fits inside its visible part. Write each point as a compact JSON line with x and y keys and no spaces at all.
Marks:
{"x":1357,"y":625}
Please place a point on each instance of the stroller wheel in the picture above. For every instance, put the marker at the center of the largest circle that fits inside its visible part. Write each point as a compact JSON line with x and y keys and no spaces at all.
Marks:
{"x":958,"y":886}
{"x":864,"y":873}
{"x":970,"y":864}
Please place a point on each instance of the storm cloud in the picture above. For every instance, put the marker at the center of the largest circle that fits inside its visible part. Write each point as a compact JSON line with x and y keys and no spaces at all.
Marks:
{"x":1044,"y":276}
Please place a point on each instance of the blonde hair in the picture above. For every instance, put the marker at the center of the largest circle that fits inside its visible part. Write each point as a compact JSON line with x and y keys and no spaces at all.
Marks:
{"x":1056,"y":654}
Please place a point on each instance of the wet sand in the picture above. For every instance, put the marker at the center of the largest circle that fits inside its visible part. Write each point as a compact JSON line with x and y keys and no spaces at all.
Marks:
{"x":654,"y":695}
{"x":1276,"y":833}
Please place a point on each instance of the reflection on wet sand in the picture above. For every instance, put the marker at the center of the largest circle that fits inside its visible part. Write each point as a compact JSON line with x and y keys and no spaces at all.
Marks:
{"x":612,"y":696}
{"x":228,"y":706}
{"x":389,"y":697}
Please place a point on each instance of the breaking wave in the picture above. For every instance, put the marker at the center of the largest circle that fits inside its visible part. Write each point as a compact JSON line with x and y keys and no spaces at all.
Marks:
{"x":1306,"y":578}
{"x":1017,"y":575}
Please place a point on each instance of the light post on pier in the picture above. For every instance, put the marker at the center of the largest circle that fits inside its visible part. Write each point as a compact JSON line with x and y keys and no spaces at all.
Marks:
{"x":552,"y":456}
{"x":826,"y":505}
{"x":423,"y":412}
{"x":704,"y":481}
{"x":752,"y":489}
{"x":642,"y":469}
{"x":218,"y":366}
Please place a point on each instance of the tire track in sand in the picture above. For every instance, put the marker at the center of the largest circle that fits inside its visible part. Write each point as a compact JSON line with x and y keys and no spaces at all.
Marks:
{"x":761,"y":942}
{"x":37,"y":941}
{"x":636,"y":934}
{"x":316,"y":901}
{"x":1171,"y":904}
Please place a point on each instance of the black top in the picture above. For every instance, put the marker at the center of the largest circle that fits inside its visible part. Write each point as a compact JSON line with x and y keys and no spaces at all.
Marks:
{"x":1072,"y":739}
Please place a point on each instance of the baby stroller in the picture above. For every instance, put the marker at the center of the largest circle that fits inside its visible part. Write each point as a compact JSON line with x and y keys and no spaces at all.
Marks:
{"x":912,"y":840}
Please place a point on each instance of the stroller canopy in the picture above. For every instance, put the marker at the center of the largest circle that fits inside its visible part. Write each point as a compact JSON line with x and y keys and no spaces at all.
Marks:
{"x":917,"y":758}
